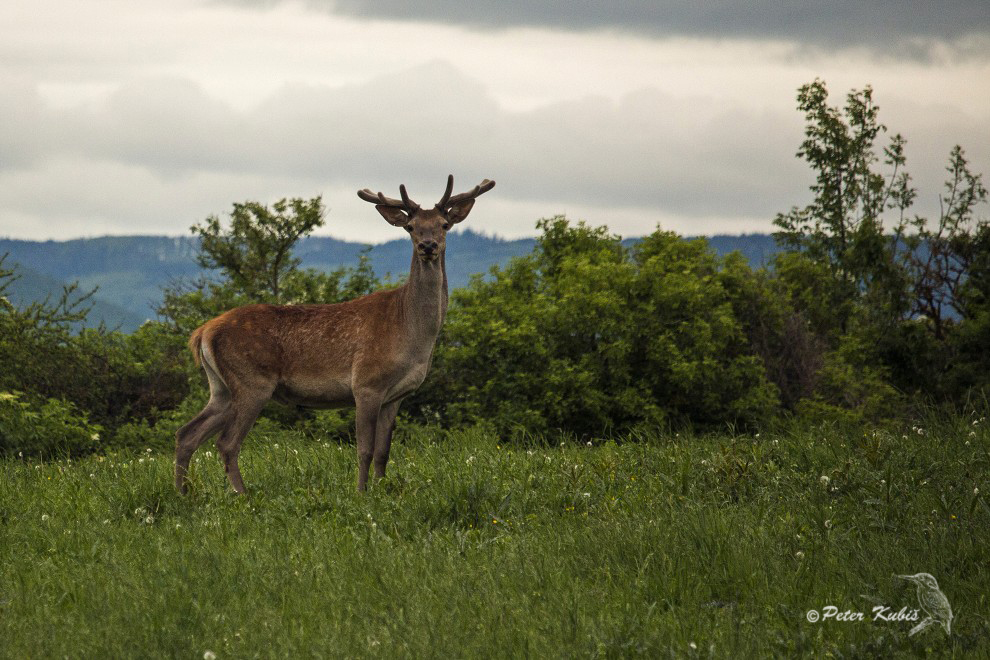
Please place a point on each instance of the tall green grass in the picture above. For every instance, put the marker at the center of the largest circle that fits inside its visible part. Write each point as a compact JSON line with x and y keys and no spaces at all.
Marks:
{"x":666,"y":546}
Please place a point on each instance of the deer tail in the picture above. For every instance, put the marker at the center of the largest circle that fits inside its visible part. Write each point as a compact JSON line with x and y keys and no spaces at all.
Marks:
{"x":196,"y":345}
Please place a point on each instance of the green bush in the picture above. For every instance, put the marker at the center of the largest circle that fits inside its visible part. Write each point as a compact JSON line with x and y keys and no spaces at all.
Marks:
{"x":116,"y":378}
{"x":587,"y":337}
{"x":54,"y":428}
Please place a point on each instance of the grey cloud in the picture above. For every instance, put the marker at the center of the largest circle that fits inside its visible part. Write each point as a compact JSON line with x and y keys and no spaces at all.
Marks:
{"x":685,"y":157}
{"x":648,"y":151}
{"x":879,"y":24}
{"x":25,"y":125}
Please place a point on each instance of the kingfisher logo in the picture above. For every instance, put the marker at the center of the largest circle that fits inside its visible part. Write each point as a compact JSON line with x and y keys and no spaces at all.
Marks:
{"x":932,"y":601}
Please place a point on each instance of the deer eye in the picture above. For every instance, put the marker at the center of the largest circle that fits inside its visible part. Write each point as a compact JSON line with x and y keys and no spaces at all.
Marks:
{"x":409,"y":228}
{"x":446,"y":226}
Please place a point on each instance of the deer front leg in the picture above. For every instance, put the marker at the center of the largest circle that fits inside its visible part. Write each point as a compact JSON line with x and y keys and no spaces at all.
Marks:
{"x":383,"y":436}
{"x":368,"y":409}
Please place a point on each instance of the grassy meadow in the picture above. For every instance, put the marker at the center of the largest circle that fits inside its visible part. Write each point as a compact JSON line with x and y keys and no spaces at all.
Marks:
{"x":662,"y":546}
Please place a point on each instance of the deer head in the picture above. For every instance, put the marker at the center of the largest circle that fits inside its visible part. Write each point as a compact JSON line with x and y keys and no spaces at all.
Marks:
{"x":427,"y":227}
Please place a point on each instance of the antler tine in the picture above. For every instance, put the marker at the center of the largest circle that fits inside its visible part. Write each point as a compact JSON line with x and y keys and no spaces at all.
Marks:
{"x":479,"y":189}
{"x":405,"y":203}
{"x":408,"y":203}
{"x":442,"y":204}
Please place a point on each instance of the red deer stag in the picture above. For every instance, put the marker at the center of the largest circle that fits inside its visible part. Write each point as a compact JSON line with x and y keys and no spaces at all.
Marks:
{"x":369,"y":352}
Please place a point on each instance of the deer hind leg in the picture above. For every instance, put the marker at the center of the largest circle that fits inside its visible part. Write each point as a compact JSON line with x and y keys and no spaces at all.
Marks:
{"x":245,"y":412}
{"x":383,"y":436}
{"x":211,"y":419}
{"x":368,"y":409}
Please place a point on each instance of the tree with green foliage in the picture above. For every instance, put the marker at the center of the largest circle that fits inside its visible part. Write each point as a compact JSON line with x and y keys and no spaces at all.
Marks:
{"x":588,"y":337}
{"x":941,"y":260}
{"x":890,"y":295}
{"x":842,"y":229}
{"x":254,"y":252}
{"x":253,"y":256}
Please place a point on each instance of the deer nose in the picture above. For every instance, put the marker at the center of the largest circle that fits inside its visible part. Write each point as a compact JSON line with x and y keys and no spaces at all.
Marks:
{"x":429,"y":247}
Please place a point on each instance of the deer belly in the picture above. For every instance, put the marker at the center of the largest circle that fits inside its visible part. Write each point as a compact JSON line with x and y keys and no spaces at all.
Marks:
{"x":323,"y":394}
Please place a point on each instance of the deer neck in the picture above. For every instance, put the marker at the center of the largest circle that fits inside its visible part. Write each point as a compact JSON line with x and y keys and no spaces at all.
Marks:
{"x":426,"y":296}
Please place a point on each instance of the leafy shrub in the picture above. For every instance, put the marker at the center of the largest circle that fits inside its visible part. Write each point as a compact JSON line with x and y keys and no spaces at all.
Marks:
{"x":115,"y":378}
{"x":54,"y":428}
{"x":588,"y":337}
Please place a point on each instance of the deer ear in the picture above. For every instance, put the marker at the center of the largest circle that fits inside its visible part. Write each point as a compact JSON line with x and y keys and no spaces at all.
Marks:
{"x":395,"y":217}
{"x":459,"y":211}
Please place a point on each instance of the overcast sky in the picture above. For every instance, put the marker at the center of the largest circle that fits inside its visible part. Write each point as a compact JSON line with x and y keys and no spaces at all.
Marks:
{"x":144,"y":117}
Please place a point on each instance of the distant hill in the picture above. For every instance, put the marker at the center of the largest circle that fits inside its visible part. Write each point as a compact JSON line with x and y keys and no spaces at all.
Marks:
{"x":130,"y":271}
{"x":32,"y":286}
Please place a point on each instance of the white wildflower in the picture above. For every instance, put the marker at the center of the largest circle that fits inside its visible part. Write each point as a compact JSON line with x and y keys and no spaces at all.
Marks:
{"x":44,"y":517}
{"x":209,"y":655}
